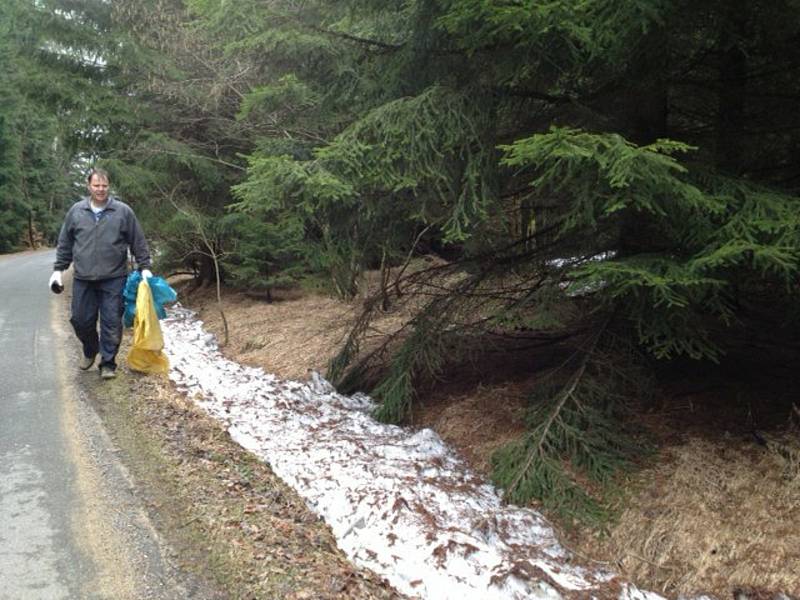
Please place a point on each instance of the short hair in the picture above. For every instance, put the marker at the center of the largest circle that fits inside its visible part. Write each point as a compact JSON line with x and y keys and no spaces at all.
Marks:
{"x":99,"y":172}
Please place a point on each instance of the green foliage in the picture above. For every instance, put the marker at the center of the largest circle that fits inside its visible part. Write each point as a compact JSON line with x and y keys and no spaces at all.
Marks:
{"x":33,"y":157}
{"x":287,"y":93}
{"x":296,"y":196}
{"x":269,"y":252}
{"x":12,"y":215}
{"x":575,"y":435}
{"x":392,"y":177}
{"x":605,"y":174}
{"x":429,"y":148}
{"x":476,"y":24}
{"x":673,"y":296}
{"x":423,"y":352}
{"x":760,"y":231}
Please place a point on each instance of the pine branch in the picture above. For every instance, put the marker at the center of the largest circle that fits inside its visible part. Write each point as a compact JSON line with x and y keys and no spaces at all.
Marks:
{"x":354,"y":38}
{"x":535,"y":95}
{"x":537,"y":451}
{"x":566,"y":394}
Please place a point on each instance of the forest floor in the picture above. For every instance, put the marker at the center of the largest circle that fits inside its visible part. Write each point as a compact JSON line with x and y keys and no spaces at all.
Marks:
{"x":714,"y":509}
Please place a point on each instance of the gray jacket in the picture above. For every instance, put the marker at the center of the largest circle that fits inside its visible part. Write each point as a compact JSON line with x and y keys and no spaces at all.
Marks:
{"x":99,"y":247}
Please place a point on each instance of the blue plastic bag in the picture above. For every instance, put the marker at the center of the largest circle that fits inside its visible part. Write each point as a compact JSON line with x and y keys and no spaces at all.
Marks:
{"x":161,"y":290}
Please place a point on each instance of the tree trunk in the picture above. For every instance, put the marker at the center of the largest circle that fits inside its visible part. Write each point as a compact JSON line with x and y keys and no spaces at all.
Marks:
{"x":207,"y":274}
{"x":31,"y":234}
{"x":644,"y":115}
{"x":731,"y":91}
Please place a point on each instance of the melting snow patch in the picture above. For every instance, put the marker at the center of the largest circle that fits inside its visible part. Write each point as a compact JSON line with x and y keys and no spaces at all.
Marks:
{"x":400,"y":502}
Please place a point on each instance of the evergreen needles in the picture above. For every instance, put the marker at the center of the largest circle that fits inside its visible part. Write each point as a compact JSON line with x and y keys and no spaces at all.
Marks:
{"x":577,"y":435}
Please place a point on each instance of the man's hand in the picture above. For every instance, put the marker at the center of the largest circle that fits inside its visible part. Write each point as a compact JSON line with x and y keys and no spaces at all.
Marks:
{"x":146,"y":274}
{"x":55,"y":283}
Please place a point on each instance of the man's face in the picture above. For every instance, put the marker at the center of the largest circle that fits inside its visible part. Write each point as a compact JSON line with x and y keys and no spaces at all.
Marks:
{"x":98,"y":188}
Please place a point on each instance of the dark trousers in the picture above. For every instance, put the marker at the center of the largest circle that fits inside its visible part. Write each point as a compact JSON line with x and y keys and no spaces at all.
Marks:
{"x":103,"y":298}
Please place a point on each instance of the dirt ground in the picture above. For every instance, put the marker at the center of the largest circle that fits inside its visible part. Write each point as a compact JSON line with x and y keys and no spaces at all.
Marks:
{"x":714,"y":509}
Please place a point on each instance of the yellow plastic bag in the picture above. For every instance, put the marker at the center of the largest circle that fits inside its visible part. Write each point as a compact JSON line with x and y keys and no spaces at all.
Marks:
{"x":146,"y":353}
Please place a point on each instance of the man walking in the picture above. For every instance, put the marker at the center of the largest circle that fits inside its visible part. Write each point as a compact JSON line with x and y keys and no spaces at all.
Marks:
{"x":95,"y":238}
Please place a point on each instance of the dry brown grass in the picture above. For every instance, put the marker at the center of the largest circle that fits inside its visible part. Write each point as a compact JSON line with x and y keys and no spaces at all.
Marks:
{"x":713,"y":517}
{"x":478,"y":421}
{"x":289,"y":336}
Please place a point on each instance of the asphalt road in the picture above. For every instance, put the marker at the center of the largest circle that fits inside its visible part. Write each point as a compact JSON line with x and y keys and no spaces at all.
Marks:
{"x":71,"y":525}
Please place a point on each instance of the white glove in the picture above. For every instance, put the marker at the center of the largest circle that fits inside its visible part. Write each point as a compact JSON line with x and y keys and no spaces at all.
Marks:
{"x":55,"y":282}
{"x":146,"y":274}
